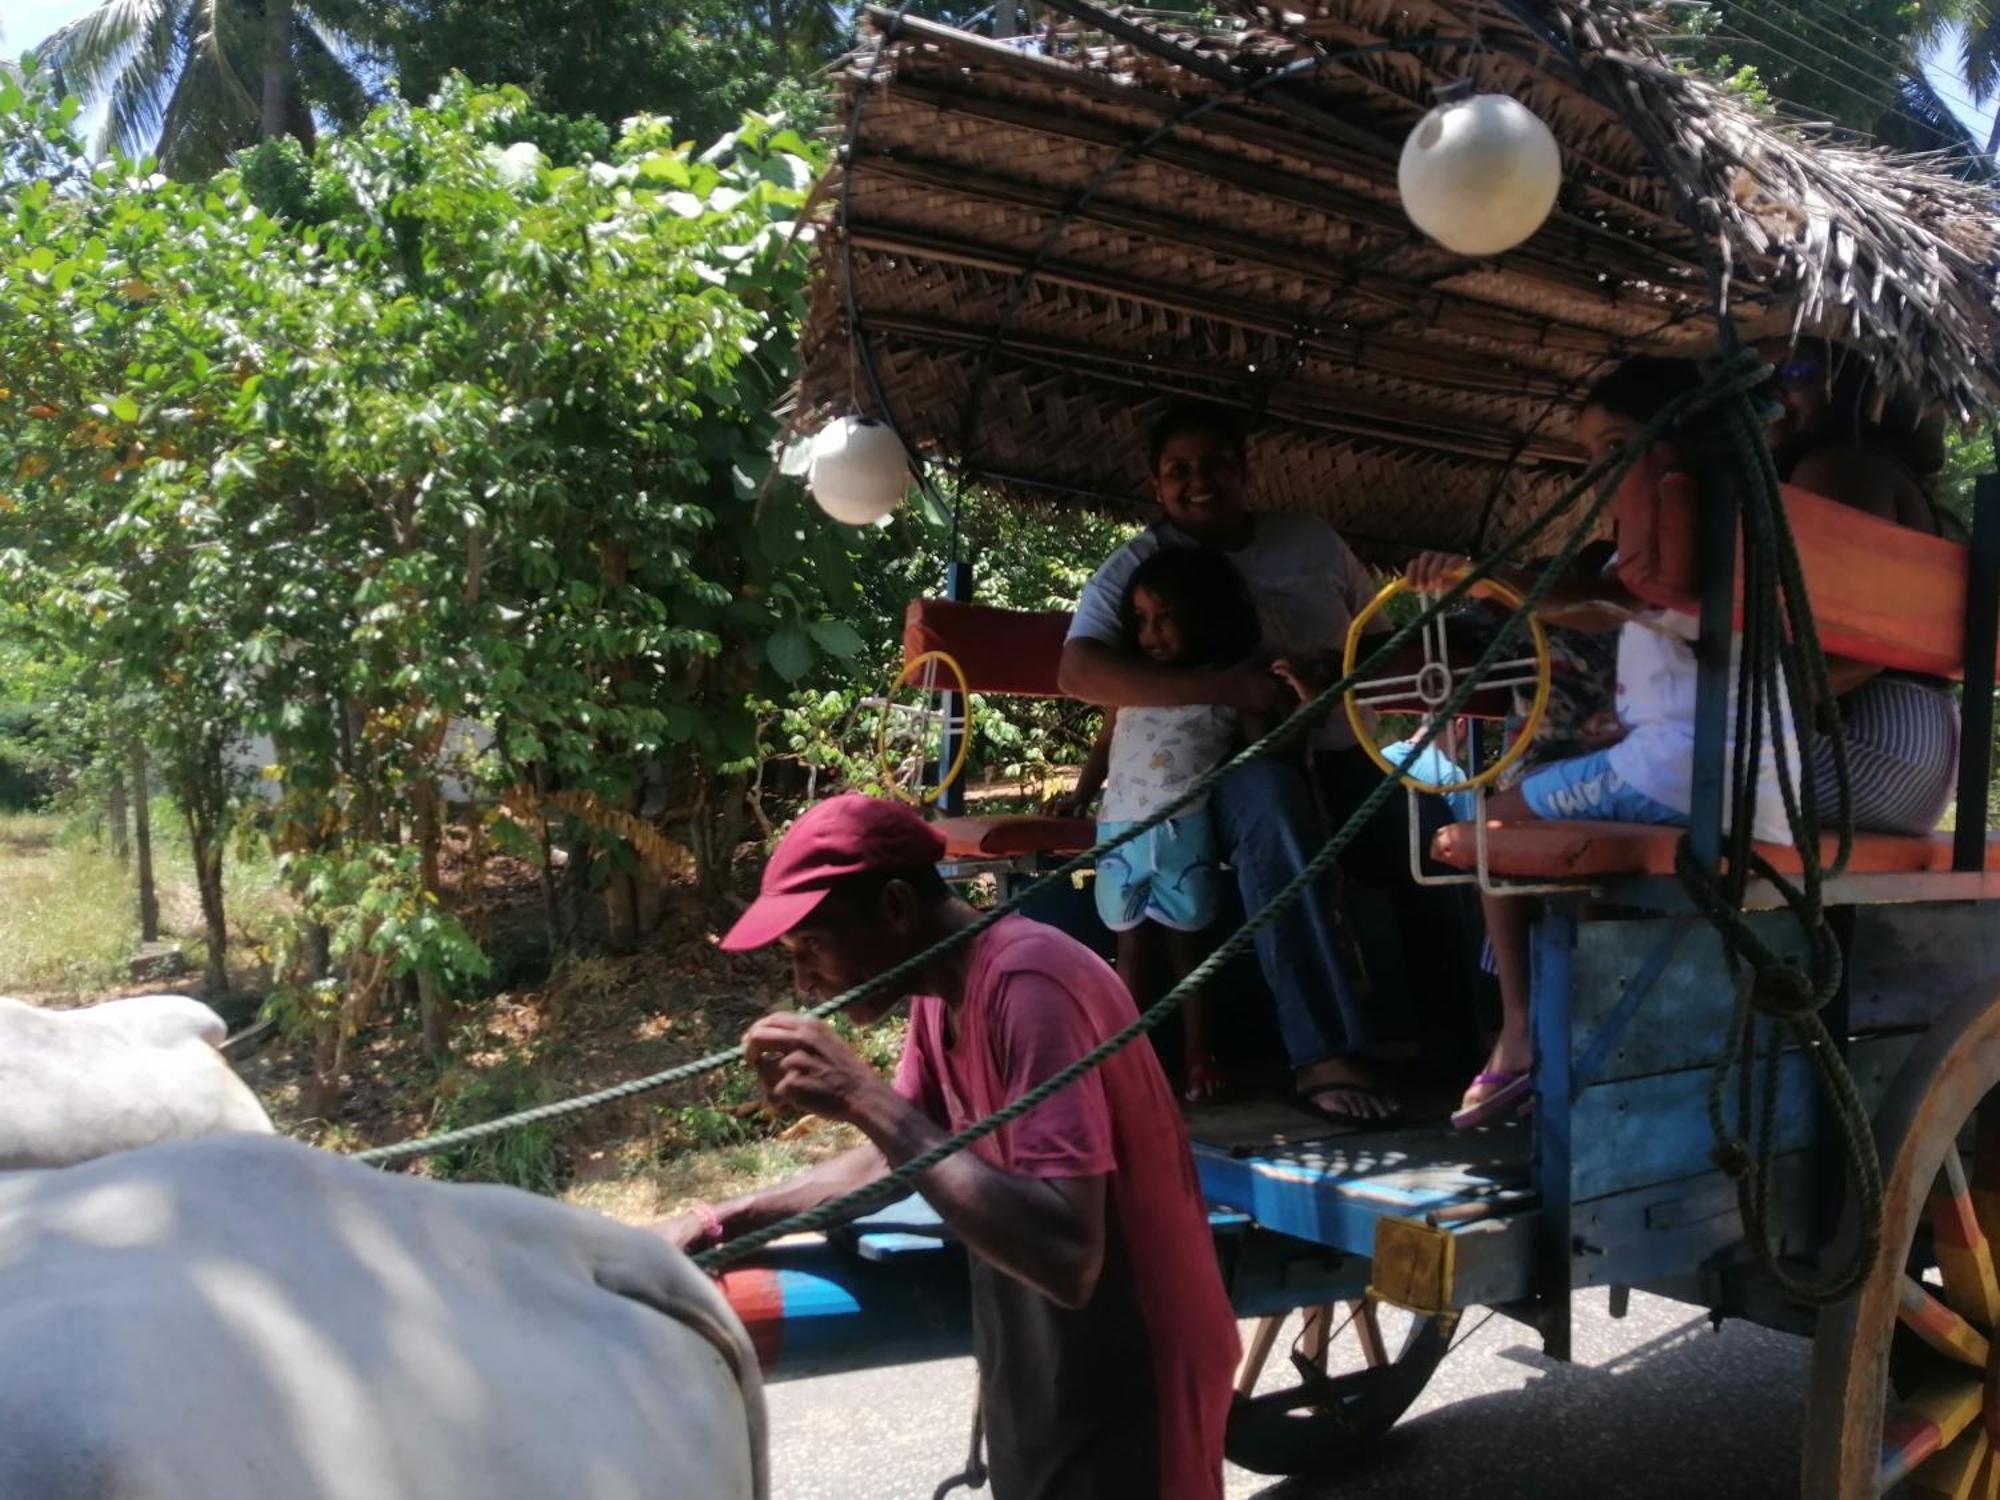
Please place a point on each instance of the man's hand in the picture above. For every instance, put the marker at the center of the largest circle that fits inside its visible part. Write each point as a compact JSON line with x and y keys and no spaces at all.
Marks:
{"x":1305,"y":683}
{"x":685,"y":1232}
{"x":1071,"y":804}
{"x":805,"y":1067}
{"x":1436,"y":572}
{"x":1251,"y":689}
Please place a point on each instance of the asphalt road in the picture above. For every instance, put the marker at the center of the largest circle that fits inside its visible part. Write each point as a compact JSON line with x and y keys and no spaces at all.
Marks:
{"x":1655,"y":1406}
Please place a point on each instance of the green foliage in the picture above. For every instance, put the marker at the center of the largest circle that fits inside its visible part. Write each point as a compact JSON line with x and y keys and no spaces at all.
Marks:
{"x":424,"y":428}
{"x":184,"y":79}
{"x":1024,"y":558}
{"x":278,"y":177}
{"x":701,"y":62}
{"x":530,"y":1157}
{"x":1852,"y":63}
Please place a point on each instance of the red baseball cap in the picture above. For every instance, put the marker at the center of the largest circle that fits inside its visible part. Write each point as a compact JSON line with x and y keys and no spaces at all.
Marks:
{"x":850,"y":835}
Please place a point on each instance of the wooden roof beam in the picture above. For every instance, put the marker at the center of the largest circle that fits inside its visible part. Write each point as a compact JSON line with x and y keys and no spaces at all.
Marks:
{"x":1547,"y":262}
{"x":1492,"y":375}
{"x":1385,"y":291}
{"x":1328,"y":408}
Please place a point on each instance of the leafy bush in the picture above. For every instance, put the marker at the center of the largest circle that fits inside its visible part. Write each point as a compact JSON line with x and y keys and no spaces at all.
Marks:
{"x":26,"y":766}
{"x":529,"y":1157}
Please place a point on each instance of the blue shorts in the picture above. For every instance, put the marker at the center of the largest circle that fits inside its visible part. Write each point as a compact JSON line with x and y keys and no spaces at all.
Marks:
{"x":1586,"y":787}
{"x":1171,"y":875}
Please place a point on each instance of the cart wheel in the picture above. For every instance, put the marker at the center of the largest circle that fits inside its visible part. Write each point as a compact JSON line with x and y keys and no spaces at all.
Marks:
{"x":1350,"y":1388}
{"x":1905,"y":1393}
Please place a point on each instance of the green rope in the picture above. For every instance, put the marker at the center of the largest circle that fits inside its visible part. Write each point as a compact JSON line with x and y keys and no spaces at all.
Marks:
{"x":1781,"y":651}
{"x":1603,"y":476}
{"x":902,"y":1180}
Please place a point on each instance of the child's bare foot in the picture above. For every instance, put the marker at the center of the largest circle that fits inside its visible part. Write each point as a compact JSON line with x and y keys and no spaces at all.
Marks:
{"x":1205,"y":1081}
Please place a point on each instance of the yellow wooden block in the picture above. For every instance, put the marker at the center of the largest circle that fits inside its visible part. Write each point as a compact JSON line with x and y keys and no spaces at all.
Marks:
{"x":1414,"y":1265}
{"x":1955,"y":1473}
{"x":1937,"y":1325}
{"x":1964,"y":1254}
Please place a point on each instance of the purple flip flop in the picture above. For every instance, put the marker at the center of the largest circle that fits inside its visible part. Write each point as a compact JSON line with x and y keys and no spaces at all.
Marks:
{"x":1515,"y":1093}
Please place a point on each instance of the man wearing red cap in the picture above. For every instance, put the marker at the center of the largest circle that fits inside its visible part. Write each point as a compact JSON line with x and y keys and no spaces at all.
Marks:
{"x":1104,"y":1339}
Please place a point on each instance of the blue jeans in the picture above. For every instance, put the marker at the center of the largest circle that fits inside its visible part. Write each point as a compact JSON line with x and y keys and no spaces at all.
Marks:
{"x":1271,"y":827}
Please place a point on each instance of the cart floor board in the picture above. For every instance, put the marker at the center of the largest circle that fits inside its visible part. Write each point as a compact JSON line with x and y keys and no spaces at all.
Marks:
{"x":1332,"y":1189}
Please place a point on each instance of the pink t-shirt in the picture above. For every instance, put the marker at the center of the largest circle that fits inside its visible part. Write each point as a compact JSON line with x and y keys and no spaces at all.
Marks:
{"x":1035,"y":1001}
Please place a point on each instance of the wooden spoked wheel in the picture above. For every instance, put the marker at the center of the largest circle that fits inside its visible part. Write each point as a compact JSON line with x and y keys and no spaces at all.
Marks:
{"x":1357,"y":1372}
{"x":1905,"y":1397}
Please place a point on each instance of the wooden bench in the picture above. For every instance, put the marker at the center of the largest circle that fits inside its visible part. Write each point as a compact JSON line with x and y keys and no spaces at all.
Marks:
{"x":1018,"y":653}
{"x":1004,"y":652}
{"x":1881,"y":594}
{"x":1594,"y":851}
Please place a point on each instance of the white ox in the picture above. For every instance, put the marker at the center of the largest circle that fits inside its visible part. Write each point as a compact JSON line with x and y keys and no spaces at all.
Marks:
{"x":240,"y":1317}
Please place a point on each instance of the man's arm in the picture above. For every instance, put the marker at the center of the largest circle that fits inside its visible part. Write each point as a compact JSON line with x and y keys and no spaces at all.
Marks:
{"x":1590,"y":605}
{"x":1048,"y":1233}
{"x":833,"y":1178}
{"x":1099,"y":672}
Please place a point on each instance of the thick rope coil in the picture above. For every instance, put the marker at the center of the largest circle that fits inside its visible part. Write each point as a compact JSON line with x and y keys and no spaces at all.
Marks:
{"x":1781,"y":652}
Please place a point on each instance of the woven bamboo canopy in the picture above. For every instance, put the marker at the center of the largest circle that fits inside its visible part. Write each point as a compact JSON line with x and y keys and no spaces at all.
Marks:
{"x":1031,"y":247}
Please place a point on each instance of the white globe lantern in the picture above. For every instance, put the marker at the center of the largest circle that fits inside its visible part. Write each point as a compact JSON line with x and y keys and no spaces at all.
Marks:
{"x":1480,"y":174}
{"x":859,"y":470}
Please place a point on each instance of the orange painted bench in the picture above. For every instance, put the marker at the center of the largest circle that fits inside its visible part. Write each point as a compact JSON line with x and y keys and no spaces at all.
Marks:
{"x":1881,"y":594}
{"x":1595,"y":851}
{"x":1019,"y":653}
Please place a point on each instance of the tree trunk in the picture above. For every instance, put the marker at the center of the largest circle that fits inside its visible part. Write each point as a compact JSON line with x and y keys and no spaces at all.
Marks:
{"x":328,"y":1056}
{"x":214,"y":919}
{"x":274,"y":119}
{"x":552,"y":902}
{"x":433,"y":1002}
{"x":142,"y":844}
{"x":721,"y":814}
{"x":1003,"y":20}
{"x":781,"y":40}
{"x":202,"y":787}
{"x":621,"y":912}
{"x":121,"y":823}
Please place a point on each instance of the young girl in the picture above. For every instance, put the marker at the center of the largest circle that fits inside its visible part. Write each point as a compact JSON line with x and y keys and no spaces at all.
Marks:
{"x":1185,"y":606}
{"x":1647,"y":775}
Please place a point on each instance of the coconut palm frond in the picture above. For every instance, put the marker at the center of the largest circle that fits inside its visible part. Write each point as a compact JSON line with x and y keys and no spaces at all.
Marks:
{"x":140,"y":89}
{"x":320,"y":59}
{"x":211,"y":54}
{"x":210,"y":114}
{"x":1979,"y":48}
{"x":84,"y":54}
{"x":1925,"y":121}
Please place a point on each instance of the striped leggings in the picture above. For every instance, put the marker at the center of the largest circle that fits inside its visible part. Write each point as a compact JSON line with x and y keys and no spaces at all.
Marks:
{"x":1902,"y":752}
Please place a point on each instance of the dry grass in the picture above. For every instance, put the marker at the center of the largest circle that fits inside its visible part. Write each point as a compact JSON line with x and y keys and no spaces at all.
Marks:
{"x":68,"y":927}
{"x":637,"y":1185}
{"x":69,"y":920}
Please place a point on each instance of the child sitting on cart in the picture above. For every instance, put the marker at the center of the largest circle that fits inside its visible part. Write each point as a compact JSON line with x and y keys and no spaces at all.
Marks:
{"x":1647,"y":775}
{"x":1185,"y":606}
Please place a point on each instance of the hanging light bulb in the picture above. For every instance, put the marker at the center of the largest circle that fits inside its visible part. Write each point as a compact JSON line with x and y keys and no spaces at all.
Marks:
{"x":859,"y":470}
{"x":1480,"y":174}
